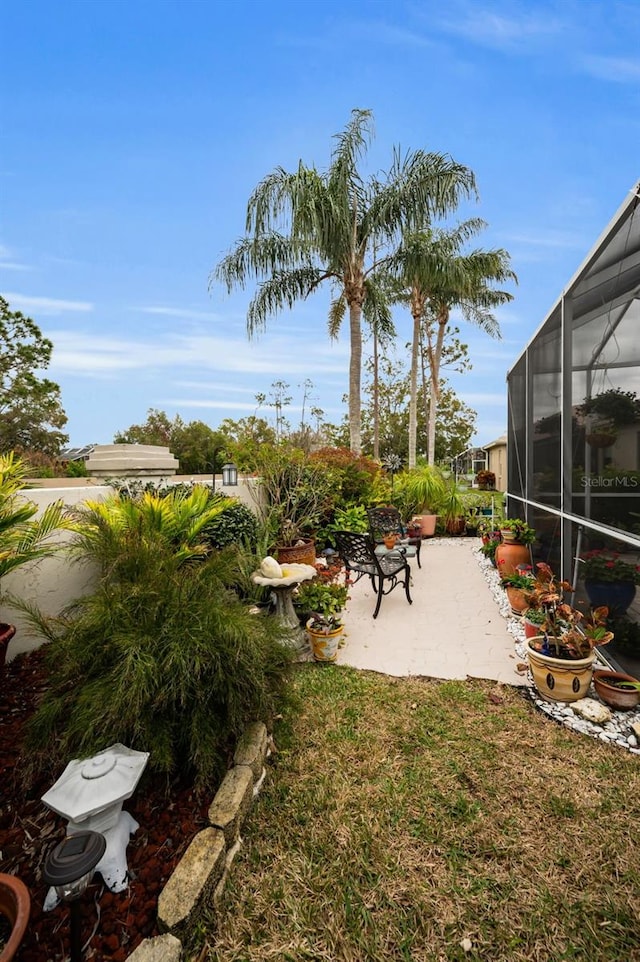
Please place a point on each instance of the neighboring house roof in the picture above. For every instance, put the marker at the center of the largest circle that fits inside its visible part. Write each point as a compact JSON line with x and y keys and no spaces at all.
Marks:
{"x":77,"y":454}
{"x":498,"y":441}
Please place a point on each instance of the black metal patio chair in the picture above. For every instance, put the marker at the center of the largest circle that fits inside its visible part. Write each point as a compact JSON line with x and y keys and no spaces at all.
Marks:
{"x":383,"y":519}
{"x":358,"y":551}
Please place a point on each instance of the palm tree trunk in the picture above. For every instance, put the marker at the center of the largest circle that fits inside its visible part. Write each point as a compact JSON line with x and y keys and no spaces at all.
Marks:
{"x":376,"y":398}
{"x":355,"y":375}
{"x":413,"y":387}
{"x":435,"y":356}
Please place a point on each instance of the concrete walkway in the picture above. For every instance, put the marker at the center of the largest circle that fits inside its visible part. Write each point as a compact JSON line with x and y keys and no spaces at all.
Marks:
{"x":453,"y":629}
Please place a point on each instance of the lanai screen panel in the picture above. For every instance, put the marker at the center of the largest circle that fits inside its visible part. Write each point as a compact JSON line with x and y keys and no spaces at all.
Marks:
{"x":516,"y":432}
{"x":545,"y":356}
{"x":605,"y":382}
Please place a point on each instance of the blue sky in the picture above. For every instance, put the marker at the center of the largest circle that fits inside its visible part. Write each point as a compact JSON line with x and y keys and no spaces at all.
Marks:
{"x":133,"y":133}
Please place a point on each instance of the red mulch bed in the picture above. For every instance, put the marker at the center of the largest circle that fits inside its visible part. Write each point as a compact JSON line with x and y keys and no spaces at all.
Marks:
{"x":113,"y":924}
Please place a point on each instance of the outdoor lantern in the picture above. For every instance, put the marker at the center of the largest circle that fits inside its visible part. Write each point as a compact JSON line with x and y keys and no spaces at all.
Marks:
{"x":90,"y":793}
{"x":229,"y":474}
{"x":69,"y":868}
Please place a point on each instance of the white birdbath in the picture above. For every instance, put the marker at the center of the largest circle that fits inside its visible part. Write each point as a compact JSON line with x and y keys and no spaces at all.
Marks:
{"x":90,"y":793}
{"x":292,"y":576}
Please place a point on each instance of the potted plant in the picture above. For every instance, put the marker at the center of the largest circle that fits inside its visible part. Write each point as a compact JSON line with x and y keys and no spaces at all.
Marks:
{"x":515,"y":586}
{"x":425,"y":488}
{"x":532,"y":619}
{"x":514,"y":550}
{"x":616,"y":689}
{"x":23,"y":538}
{"x":486,"y":480}
{"x":609,"y":580}
{"x":451,"y":509}
{"x":489,"y":546}
{"x":561,"y":656}
{"x":321,"y":601}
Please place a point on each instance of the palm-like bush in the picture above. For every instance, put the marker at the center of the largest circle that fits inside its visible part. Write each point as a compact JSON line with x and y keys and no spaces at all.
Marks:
{"x":162,"y":656}
{"x":22,"y":536}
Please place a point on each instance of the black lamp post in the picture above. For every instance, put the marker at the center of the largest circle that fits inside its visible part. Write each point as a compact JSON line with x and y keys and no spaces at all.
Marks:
{"x":69,"y":868}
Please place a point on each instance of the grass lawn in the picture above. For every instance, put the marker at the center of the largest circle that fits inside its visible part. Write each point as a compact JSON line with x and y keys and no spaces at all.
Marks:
{"x":401,"y":817}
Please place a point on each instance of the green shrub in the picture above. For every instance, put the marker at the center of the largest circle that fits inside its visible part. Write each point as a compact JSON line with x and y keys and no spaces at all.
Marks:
{"x":162,"y":656}
{"x":236,"y":525}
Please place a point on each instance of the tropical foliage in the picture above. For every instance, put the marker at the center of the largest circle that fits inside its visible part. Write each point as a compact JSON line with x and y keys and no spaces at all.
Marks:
{"x":23,"y":537}
{"x":307,"y":227}
{"x":162,"y":656}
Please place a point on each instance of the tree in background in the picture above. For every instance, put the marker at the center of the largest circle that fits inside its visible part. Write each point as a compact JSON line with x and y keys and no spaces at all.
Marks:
{"x":307,"y":227}
{"x":456,"y":421}
{"x":436,"y":276}
{"x":31,"y":413}
{"x":194,"y":444}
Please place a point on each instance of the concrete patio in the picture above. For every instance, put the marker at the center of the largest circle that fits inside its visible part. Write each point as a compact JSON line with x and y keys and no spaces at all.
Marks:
{"x":453,"y":629}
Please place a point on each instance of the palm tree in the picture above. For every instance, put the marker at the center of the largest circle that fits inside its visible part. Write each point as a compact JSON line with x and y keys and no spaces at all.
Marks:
{"x":435,"y":277}
{"x":307,"y":227}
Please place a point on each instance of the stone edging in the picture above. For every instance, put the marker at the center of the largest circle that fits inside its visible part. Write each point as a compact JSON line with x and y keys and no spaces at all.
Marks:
{"x":200,"y":875}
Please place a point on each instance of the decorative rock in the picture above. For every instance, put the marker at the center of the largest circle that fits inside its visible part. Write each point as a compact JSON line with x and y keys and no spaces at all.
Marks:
{"x":592,"y":710}
{"x":163,"y":948}
{"x":192,"y":882}
{"x":622,"y":728}
{"x":252,"y":748}
{"x":232,"y":802}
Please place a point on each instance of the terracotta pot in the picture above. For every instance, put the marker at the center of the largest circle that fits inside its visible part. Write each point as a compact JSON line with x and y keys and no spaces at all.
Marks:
{"x":6,"y":634}
{"x":390,"y":540}
{"x":509,"y":556}
{"x":559,"y":679}
{"x":619,"y":698}
{"x":15,"y":906}
{"x":516,"y":599}
{"x":303,"y":553}
{"x":455,"y":526}
{"x":427,"y":524}
{"x":531,"y":629}
{"x":324,"y":645}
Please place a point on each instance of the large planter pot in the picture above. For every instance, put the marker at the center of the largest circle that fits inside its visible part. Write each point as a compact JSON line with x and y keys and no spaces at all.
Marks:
{"x":455,"y":526}
{"x":509,"y":556}
{"x":6,"y":634}
{"x":616,"y":595}
{"x":324,"y":645}
{"x":622,"y":699}
{"x":303,"y":553}
{"x":15,"y":906}
{"x":559,"y":679}
{"x":427,"y":524}
{"x":517,"y":599}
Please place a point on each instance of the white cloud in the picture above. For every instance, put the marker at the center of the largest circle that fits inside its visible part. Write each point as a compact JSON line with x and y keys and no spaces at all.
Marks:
{"x":179,"y":312}
{"x":7,"y":262}
{"x":486,"y":27}
{"x":46,"y":305}
{"x":616,"y":69}
{"x":88,"y":354}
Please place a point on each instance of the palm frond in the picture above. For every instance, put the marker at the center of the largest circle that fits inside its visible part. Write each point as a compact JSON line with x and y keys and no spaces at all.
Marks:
{"x":255,"y":257}
{"x":337,"y":312}
{"x":376,"y":309}
{"x":420,"y":185}
{"x":281,"y":290}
